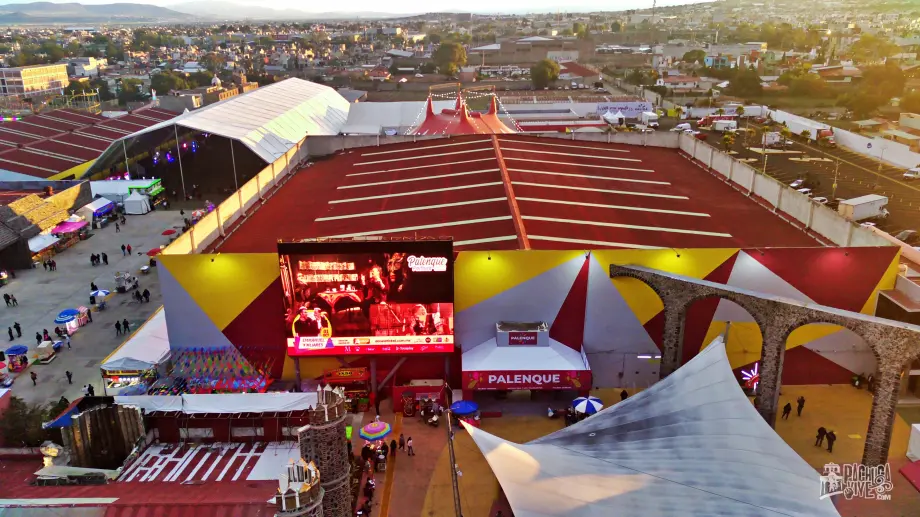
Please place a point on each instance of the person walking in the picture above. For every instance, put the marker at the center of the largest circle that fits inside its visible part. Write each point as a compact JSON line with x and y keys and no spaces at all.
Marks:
{"x":45,"y":264}
{"x":53,"y":265}
{"x":45,"y":335}
{"x":409,"y":448}
{"x":129,"y":249}
{"x":105,"y":259}
{"x":17,"y":328}
{"x":38,"y":338}
{"x":392,"y":447}
{"x":67,"y":339}
{"x":402,"y":442}
{"x":125,"y":325}
{"x":92,"y":286}
{"x":787,"y":409}
{"x":14,"y":300}
{"x":385,"y":449}
{"x":92,"y":390}
{"x":799,"y":405}
{"x":92,"y":260}
{"x":6,"y":298}
{"x":146,"y":295}
{"x":10,"y":329}
{"x":623,"y":395}
{"x":123,"y":250}
{"x":69,"y":375}
{"x":117,"y":328}
{"x":819,"y":440}
{"x":117,"y":228}
{"x":34,"y":377}
{"x":831,"y":438}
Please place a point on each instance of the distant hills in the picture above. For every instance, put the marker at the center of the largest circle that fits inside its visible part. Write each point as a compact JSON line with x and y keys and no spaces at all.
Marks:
{"x":47,"y":12}
{"x":220,"y":10}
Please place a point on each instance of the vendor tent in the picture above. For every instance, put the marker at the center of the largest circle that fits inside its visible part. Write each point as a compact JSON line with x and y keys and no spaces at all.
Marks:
{"x":99,"y":206}
{"x":41,"y":242}
{"x":148,"y":346}
{"x":692,"y":444}
{"x":137,"y":204}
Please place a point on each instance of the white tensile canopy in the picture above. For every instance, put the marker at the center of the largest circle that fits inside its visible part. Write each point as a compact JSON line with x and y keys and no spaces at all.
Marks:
{"x":148,"y":347}
{"x":692,"y":444}
{"x":137,"y":204}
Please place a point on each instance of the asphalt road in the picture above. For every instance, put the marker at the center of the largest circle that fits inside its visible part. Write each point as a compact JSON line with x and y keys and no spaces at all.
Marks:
{"x":856,"y":175}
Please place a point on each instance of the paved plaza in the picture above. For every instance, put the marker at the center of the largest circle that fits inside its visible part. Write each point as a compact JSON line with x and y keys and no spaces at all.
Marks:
{"x":421,"y":485}
{"x":43,"y":294}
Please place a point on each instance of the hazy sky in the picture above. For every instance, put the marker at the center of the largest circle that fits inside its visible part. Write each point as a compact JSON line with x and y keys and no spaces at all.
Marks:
{"x":419,"y":6}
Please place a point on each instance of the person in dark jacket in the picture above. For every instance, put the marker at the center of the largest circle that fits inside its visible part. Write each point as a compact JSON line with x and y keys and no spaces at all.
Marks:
{"x":819,"y":441}
{"x":831,"y":438}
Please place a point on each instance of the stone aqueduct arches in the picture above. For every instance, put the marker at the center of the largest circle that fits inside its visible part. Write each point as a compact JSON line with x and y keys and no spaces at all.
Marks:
{"x":894,"y":344}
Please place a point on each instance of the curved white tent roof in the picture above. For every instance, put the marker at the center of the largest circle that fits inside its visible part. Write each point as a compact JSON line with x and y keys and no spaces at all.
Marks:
{"x":692,"y":444}
{"x":269,"y":120}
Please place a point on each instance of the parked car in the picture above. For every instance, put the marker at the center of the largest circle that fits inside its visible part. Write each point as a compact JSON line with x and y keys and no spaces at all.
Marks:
{"x":805,"y":191}
{"x":912,"y":174}
{"x":820,"y":200}
{"x":797,"y":184}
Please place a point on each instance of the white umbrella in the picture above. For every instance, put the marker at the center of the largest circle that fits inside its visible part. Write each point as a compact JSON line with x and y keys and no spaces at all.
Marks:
{"x":587,"y":405}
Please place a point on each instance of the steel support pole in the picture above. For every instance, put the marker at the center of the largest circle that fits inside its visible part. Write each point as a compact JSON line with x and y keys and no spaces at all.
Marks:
{"x":179,"y":157}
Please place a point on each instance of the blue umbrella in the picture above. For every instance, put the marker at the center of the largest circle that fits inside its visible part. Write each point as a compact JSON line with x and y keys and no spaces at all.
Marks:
{"x":587,"y":405}
{"x":464,"y":407}
{"x":17,"y":350}
{"x":66,"y":316}
{"x":101,"y":293}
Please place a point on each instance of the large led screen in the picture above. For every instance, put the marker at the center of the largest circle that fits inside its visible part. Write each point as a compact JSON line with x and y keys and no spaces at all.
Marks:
{"x":368,"y":297}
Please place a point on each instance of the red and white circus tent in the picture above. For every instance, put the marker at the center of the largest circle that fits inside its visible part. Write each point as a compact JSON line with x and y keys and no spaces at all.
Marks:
{"x":461,"y":121}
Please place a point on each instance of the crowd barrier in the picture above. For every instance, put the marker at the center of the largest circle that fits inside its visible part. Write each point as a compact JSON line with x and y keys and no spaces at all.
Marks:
{"x":790,"y":204}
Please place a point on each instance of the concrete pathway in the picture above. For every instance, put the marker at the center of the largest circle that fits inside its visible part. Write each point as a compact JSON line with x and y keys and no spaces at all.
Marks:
{"x":43,"y":294}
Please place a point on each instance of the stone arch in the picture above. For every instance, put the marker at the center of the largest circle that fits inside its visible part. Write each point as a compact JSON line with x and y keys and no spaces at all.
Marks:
{"x":653,"y":284}
{"x":742,"y":301}
{"x":843,"y":323}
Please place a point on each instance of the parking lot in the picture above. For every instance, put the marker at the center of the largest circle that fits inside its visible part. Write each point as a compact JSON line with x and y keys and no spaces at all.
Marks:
{"x":856,"y":175}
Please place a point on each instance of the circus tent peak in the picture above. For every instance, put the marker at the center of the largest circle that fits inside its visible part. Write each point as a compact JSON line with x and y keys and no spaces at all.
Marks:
{"x":461,"y":120}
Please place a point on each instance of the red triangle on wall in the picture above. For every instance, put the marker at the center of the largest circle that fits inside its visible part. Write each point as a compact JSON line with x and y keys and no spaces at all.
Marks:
{"x":569,"y":326}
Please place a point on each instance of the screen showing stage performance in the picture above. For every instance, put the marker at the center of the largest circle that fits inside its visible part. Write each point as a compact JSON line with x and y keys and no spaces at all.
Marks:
{"x":368,"y":297}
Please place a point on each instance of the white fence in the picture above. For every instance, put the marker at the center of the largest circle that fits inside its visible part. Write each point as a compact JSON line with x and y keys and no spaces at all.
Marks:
{"x":784,"y":200}
{"x":888,"y":151}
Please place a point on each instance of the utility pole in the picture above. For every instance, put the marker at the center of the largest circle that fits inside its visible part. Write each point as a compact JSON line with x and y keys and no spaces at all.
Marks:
{"x":834,"y":186}
{"x":453,"y":463}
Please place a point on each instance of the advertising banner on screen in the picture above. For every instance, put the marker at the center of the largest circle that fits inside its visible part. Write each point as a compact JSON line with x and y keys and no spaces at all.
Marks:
{"x":368,"y":297}
{"x":527,"y":380}
{"x":522,"y":338}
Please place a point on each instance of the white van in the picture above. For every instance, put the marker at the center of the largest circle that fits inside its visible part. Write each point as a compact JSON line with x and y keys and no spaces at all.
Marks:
{"x":681,"y":127}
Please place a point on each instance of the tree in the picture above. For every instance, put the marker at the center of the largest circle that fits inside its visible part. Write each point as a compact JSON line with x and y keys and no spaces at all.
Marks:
{"x":806,"y":134}
{"x":21,"y":423}
{"x":579,"y":30}
{"x":746,"y":83}
{"x":720,"y":111}
{"x":694,"y":56}
{"x":886,"y":80}
{"x":131,"y":91}
{"x":544,"y":73}
{"x":739,"y":111}
{"x":862,"y":103}
{"x":728,"y":140}
{"x":164,"y":82}
{"x":911,"y":102}
{"x":449,"y":54}
{"x":615,"y":27}
{"x":870,"y":48}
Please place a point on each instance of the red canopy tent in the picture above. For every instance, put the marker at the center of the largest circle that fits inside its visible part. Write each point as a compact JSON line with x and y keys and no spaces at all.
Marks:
{"x":461,"y":121}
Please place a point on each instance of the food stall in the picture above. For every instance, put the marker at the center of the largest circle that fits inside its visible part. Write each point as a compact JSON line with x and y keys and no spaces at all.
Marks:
{"x":97,"y":212}
{"x":17,"y":358}
{"x":355,"y":382}
{"x":134,"y":364}
{"x":47,"y":351}
{"x":70,"y":232}
{"x":72,"y":319}
{"x":124,"y":281}
{"x":126,"y":372}
{"x":5,"y":379}
{"x":42,"y":247}
{"x":415,"y":392}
